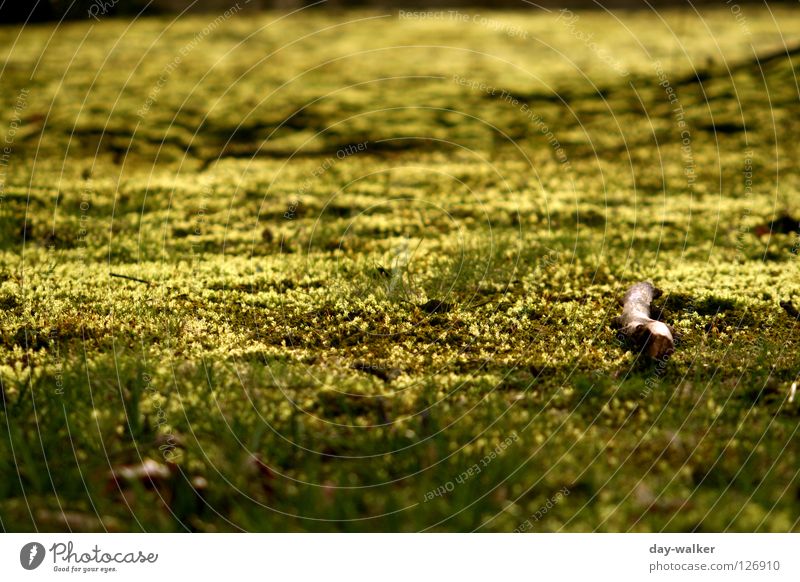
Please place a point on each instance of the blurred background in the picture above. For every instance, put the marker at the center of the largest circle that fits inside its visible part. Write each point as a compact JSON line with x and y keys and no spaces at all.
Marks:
{"x":15,"y":11}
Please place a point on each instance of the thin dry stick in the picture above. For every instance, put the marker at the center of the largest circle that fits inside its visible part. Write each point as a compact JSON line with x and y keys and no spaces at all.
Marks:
{"x":635,"y":322}
{"x":146,"y":282}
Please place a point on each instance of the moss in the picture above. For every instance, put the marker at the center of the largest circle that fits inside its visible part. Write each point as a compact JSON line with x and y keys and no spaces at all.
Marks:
{"x":327,"y":332}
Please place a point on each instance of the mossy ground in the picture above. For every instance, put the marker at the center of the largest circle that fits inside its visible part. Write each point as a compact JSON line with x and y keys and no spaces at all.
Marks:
{"x":332,"y":332}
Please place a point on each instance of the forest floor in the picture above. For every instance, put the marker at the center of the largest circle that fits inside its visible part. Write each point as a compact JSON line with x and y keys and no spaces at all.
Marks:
{"x":373,"y":262}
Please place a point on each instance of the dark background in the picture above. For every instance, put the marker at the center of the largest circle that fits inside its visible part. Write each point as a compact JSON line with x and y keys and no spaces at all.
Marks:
{"x":15,"y":11}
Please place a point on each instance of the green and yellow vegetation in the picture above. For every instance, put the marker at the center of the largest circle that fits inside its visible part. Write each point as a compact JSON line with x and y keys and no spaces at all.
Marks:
{"x":372,"y":268}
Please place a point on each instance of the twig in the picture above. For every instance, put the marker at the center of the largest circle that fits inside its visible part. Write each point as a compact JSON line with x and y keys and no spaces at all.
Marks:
{"x":146,"y":282}
{"x":635,"y":322}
